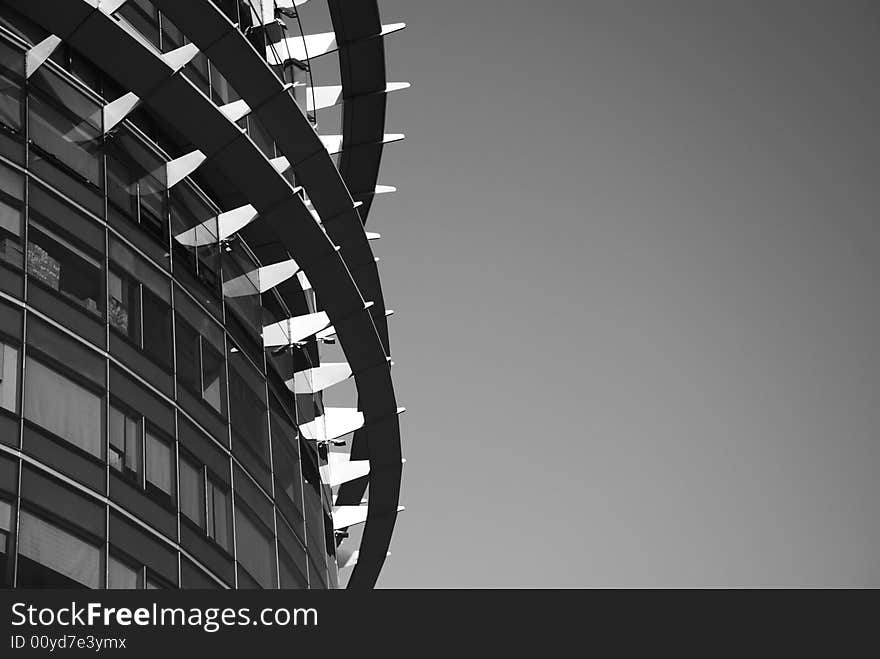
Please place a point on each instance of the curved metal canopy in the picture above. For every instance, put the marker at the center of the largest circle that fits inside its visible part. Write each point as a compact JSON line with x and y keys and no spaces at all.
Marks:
{"x":285,"y":121}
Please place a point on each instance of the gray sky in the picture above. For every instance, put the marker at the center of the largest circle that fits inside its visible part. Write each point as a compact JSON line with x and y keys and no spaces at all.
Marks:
{"x":635,"y":257}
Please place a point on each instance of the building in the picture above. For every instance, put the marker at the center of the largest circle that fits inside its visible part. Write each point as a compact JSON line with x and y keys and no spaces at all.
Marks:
{"x":184,"y":275}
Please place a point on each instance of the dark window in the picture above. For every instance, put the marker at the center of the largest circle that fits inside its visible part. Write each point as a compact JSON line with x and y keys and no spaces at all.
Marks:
{"x":135,"y":182}
{"x":139,"y":308}
{"x":189,"y":361}
{"x":139,"y":453}
{"x":247,"y":407}
{"x":58,"y":264}
{"x":255,"y":549}
{"x":218,"y":513}
{"x":197,"y":73}
{"x":63,"y":407}
{"x":124,"y":306}
{"x":221,"y":91}
{"x":200,"y":365}
{"x":159,"y":460}
{"x":143,"y":17}
{"x":157,"y":317}
{"x":192,"y":491}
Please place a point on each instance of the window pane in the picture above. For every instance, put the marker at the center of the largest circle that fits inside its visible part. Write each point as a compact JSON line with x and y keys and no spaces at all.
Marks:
{"x":212,"y":374}
{"x":159,"y":464}
{"x":11,"y":196}
{"x":123,"y":309}
{"x":5,"y":516}
{"x":192,"y":492}
{"x":56,"y":263}
{"x":63,"y":407}
{"x":58,"y":550}
{"x":255,"y":550}
{"x":63,"y":122}
{"x":188,"y":367}
{"x":157,"y":317}
{"x":121,"y":575}
{"x":139,"y":269}
{"x":125,"y":441}
{"x":8,"y":377}
{"x":143,"y":17}
{"x":11,"y":68}
{"x":247,"y":406}
{"x":218,"y":514}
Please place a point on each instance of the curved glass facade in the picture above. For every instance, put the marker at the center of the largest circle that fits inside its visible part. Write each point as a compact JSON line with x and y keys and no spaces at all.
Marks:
{"x":147,"y":437}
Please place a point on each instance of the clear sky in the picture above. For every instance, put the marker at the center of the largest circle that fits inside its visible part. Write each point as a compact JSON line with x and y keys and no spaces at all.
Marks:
{"x":634,"y":259}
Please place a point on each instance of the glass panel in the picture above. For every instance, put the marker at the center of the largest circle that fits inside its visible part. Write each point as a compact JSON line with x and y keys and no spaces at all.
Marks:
{"x":125,"y":442}
{"x":58,"y":550}
{"x":11,"y":70}
{"x":66,"y":124}
{"x":192,"y":492}
{"x":189,"y":210}
{"x":286,"y":460}
{"x":136,"y":182}
{"x":122,"y":576}
{"x":140,"y":312}
{"x":247,"y":409}
{"x":124,"y":306}
{"x":218,"y":514}
{"x":143,"y":17}
{"x":188,"y":360}
{"x":197,"y":73}
{"x":160,"y":464}
{"x":139,"y":269}
{"x":255,"y":551}
{"x":56,"y":263}
{"x":158,"y":343}
{"x":212,"y":377}
{"x":8,"y":377}
{"x":63,"y":407}
{"x":11,"y":195}
{"x":5,"y":516}
{"x":221,"y":91}
{"x":241,"y":284}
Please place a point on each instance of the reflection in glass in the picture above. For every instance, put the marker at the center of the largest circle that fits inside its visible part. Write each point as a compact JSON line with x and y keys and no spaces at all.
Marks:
{"x":66,"y":125}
